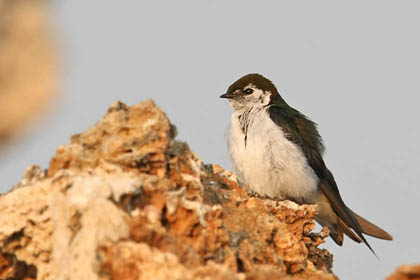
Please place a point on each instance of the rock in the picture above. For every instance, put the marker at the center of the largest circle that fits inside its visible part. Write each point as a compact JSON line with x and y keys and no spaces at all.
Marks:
{"x":406,"y":272}
{"x":125,"y":200}
{"x":28,"y":73}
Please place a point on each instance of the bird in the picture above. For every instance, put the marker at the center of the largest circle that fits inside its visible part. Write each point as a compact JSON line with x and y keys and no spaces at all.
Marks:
{"x":277,"y":152}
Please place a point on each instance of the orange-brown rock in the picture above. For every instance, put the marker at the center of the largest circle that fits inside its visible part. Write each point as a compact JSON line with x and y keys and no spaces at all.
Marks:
{"x":27,"y":63}
{"x":406,"y":272}
{"x":125,"y":200}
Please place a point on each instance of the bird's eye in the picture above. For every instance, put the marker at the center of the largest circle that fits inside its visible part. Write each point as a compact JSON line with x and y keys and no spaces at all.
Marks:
{"x":249,"y":91}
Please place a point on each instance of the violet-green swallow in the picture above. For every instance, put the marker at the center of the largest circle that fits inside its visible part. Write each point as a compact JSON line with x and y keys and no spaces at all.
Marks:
{"x":277,"y":151}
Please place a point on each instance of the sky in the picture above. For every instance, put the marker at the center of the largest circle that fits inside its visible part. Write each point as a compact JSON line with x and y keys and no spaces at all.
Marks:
{"x":351,"y":66}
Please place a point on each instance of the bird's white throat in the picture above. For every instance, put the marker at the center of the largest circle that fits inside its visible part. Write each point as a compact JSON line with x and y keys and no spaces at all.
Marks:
{"x":265,"y":161}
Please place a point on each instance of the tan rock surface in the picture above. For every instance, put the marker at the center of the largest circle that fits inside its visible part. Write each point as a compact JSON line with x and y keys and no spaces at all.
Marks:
{"x":124,"y":200}
{"x":406,"y":272}
{"x":27,"y":63}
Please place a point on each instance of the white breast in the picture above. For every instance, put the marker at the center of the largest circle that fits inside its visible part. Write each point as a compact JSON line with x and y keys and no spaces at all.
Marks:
{"x":269,"y":164}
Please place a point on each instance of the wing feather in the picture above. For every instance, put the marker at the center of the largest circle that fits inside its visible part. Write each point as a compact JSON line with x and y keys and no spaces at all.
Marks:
{"x":304,"y":133}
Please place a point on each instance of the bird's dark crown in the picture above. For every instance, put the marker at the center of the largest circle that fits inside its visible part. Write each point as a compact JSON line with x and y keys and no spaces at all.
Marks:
{"x":258,"y":80}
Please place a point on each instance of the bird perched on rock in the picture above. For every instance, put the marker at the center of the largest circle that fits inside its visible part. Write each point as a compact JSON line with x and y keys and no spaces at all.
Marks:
{"x":277,"y":152}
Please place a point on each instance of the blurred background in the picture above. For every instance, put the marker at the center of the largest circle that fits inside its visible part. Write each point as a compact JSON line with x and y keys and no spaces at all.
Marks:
{"x":353,"y":67}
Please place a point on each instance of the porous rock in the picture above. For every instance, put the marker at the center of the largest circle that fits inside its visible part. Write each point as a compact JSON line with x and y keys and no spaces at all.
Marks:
{"x":406,"y":272}
{"x":125,"y":200}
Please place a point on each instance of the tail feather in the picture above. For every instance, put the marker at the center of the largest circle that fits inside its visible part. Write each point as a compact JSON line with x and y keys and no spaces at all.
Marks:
{"x":341,"y":228}
{"x":345,"y":228}
{"x":330,"y":191}
{"x":354,"y":228}
{"x":371,"y":229}
{"x":337,"y":237}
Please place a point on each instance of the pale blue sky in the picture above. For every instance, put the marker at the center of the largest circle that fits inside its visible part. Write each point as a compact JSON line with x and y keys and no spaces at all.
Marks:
{"x":353,"y":67}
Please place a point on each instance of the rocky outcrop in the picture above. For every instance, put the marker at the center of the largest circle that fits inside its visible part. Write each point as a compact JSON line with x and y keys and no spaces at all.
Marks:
{"x":27,"y":63}
{"x":125,"y":200}
{"x":406,"y":272}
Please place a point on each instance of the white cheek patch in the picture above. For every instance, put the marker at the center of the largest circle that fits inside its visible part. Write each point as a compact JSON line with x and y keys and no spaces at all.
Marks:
{"x":257,"y":98}
{"x":266,"y":97}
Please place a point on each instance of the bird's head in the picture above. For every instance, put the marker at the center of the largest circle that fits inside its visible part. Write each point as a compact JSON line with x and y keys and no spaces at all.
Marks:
{"x":249,"y":91}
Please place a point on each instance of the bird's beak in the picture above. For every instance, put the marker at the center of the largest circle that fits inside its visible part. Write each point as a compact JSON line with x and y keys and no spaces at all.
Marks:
{"x":227,"y":95}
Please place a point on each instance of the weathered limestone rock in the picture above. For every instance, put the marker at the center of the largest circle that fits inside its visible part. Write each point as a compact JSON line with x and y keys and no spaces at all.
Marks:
{"x":125,"y":200}
{"x":28,"y":73}
{"x":406,"y":272}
